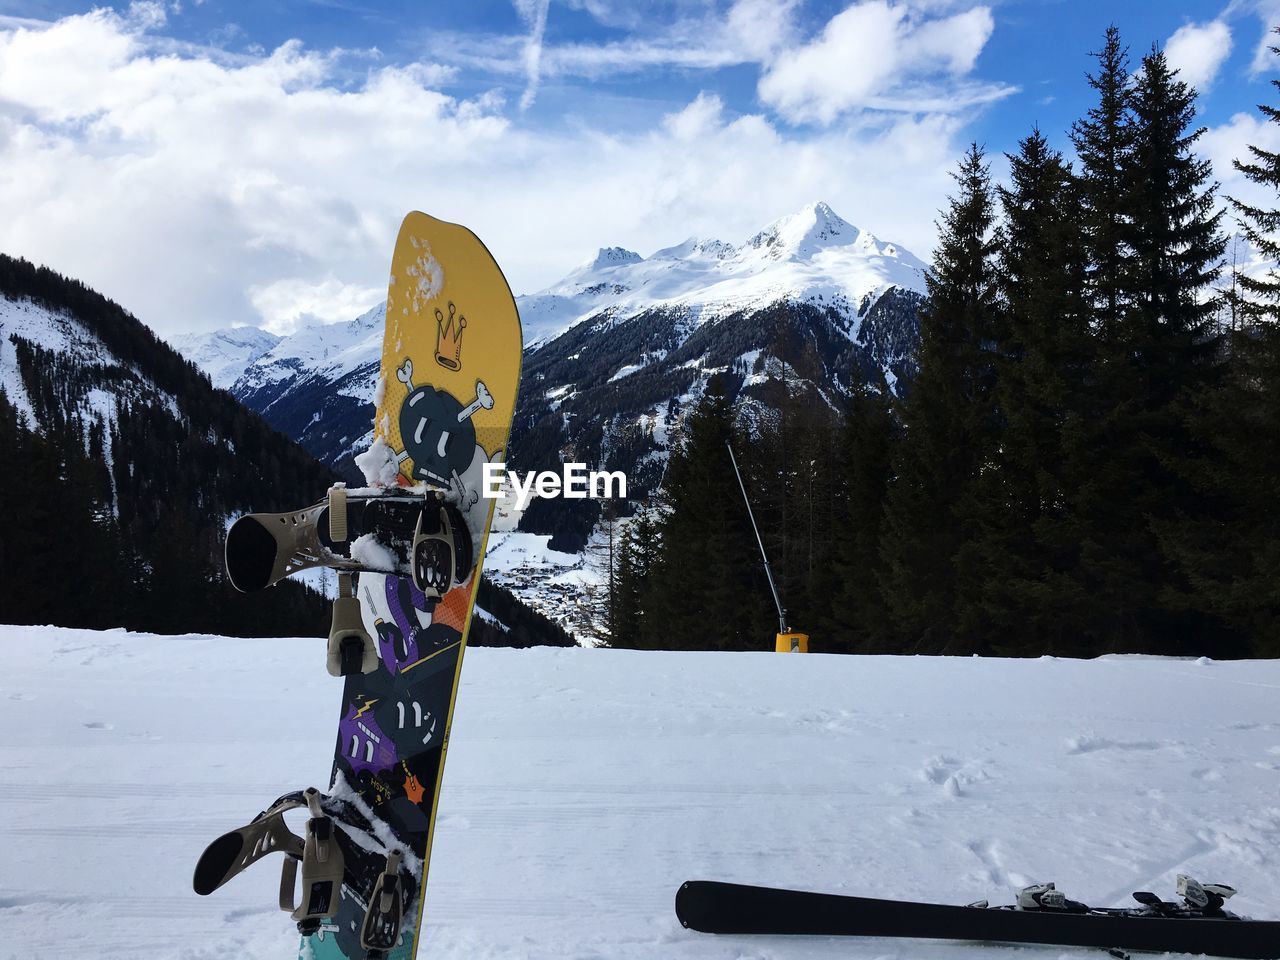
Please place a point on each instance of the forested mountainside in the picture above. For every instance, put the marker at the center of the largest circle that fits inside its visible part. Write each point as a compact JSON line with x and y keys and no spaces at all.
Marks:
{"x":127,"y":464}
{"x":620,"y":348}
{"x":126,"y":467}
{"x":1087,"y":461}
{"x":585,"y":400}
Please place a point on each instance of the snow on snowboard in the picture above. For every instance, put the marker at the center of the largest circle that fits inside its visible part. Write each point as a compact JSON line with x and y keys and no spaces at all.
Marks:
{"x":409,"y":551}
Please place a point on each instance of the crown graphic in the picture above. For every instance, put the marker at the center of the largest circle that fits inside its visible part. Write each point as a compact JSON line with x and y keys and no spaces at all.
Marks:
{"x":449,"y":338}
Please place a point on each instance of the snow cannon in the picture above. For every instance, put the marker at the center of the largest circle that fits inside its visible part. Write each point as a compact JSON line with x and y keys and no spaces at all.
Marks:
{"x":784,"y":641}
{"x":792,"y":643}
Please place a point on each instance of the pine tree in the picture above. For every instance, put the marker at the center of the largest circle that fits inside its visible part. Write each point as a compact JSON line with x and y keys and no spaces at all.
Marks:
{"x":1229,"y":555}
{"x":705,"y":590}
{"x":858,"y":618}
{"x":1018,"y":567}
{"x":1104,"y":144}
{"x":637,"y":547}
{"x":948,"y":423}
{"x":1163,"y":360}
{"x":1176,"y":241}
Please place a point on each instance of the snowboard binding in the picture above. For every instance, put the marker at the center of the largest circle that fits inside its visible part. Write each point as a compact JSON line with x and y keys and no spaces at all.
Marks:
{"x":385,"y":914}
{"x":354,"y":533}
{"x":351,"y":649}
{"x":323,"y":868}
{"x":318,"y":856}
{"x":418,"y":535}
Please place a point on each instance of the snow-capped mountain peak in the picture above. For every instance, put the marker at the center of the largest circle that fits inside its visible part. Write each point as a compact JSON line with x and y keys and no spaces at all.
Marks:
{"x":611,"y":257}
{"x":224,"y":354}
{"x":693,"y":247}
{"x":802,"y":234}
{"x":812,"y":255}
{"x":593,"y":276}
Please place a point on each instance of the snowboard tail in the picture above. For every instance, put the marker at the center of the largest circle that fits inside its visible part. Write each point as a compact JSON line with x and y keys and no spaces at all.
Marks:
{"x":730,"y":908}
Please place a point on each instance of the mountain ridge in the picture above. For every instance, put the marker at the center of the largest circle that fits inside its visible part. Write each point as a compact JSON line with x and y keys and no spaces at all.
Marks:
{"x":812,"y":255}
{"x":617,"y":352}
{"x":128,"y":463}
{"x":317,"y":384}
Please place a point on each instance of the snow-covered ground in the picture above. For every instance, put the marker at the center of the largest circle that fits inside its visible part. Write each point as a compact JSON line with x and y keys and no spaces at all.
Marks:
{"x":584,"y":785}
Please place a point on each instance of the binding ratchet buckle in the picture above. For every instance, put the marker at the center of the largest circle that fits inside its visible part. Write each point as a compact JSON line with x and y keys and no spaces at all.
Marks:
{"x":435,"y":548}
{"x":382,"y":919}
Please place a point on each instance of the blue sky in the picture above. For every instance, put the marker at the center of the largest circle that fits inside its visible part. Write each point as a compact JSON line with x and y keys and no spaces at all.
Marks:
{"x":290,"y":135}
{"x":1040,"y":47}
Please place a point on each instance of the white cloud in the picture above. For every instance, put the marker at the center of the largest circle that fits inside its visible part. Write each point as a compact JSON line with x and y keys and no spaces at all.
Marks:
{"x":750,"y":31}
{"x":289,"y":304}
{"x":1198,"y":50}
{"x":1231,"y":141}
{"x":760,"y":28}
{"x":201,"y":192}
{"x":1268,"y":13}
{"x":534,"y":14}
{"x":883,"y":56}
{"x":903,"y":55}
{"x":147,"y":14}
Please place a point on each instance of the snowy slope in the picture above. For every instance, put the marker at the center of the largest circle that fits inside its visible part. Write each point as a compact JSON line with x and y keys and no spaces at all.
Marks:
{"x":811,"y":256}
{"x":331,"y":352}
{"x":317,"y":385}
{"x":584,"y":785}
{"x":48,"y":329}
{"x":75,"y":345}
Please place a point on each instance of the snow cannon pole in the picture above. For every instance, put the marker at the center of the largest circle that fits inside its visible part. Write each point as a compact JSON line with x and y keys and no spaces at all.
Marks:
{"x":787,"y":642}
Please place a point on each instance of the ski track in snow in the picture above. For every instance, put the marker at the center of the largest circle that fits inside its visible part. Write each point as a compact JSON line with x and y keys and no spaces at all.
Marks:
{"x":583,"y":786}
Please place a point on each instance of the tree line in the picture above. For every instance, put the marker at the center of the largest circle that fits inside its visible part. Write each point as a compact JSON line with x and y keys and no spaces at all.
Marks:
{"x":119,"y":523}
{"x":1085,"y":460}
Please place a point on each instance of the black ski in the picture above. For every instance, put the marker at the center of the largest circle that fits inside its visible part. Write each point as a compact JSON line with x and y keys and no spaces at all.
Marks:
{"x":713,"y":907}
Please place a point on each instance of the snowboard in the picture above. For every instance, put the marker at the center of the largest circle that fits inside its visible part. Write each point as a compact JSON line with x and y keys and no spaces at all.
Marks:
{"x":409,"y":548}
{"x":445,"y":398}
